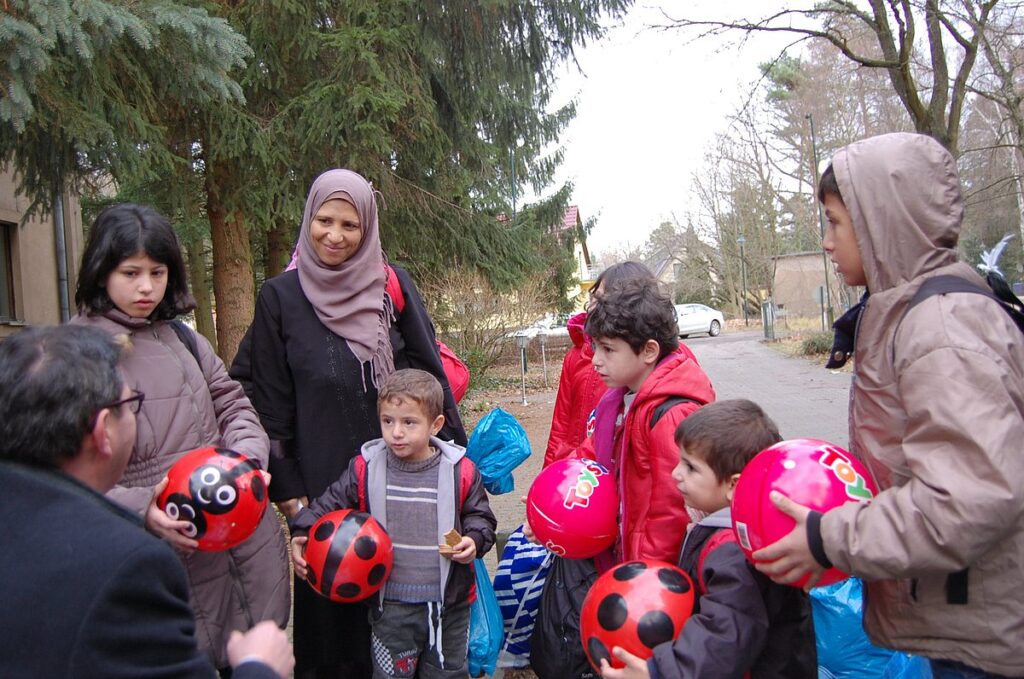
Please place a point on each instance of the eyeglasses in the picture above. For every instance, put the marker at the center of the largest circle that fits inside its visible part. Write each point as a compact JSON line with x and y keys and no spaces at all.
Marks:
{"x":134,"y":402}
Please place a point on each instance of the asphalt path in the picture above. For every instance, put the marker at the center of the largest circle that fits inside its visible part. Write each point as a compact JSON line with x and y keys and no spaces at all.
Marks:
{"x":804,"y":398}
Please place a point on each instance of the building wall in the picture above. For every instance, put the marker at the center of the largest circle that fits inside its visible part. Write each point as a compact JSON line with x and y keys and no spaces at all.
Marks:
{"x":33,"y":257}
{"x":797,"y":279}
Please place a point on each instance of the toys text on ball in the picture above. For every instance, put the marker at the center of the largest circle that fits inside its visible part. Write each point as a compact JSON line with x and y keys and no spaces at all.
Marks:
{"x":348,"y":555}
{"x":635,"y":606}
{"x":220,"y":492}
{"x":810,"y":472}
{"x":572,"y":507}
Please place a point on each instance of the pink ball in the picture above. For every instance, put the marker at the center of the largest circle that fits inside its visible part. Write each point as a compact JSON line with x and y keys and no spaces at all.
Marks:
{"x":573,"y":508}
{"x":813,"y":473}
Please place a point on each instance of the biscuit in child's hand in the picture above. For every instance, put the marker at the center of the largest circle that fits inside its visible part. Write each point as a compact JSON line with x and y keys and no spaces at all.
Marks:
{"x":451,"y":539}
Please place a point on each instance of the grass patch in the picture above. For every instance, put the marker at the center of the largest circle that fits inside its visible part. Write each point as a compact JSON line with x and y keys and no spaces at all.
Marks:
{"x":816,"y":344}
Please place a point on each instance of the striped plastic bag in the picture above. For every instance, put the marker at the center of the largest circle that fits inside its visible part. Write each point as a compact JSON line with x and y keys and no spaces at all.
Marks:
{"x":518,"y":582}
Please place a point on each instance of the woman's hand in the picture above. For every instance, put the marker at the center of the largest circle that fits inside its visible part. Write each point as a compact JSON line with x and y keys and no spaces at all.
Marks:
{"x":289,"y":508}
{"x":164,"y":527}
{"x":789,"y":559}
{"x":299,"y":555}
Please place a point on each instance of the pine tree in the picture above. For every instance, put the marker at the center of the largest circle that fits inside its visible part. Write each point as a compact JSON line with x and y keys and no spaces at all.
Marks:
{"x":426,"y":99}
{"x":86,"y":83}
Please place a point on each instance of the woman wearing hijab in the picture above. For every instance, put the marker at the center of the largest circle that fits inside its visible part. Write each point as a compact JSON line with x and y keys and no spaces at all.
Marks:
{"x":324,"y":336}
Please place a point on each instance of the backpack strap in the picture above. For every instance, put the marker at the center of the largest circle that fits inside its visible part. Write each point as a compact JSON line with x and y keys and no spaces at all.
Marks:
{"x":722,"y":536}
{"x":188,"y":338}
{"x":394,"y":289}
{"x":361,"y":482}
{"x":464,"y":478}
{"x":667,"y":405}
{"x":947,"y":283}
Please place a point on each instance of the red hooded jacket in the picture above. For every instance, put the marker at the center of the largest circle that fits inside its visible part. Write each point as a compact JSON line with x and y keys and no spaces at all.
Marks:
{"x":653,"y":516}
{"x":579,"y":390}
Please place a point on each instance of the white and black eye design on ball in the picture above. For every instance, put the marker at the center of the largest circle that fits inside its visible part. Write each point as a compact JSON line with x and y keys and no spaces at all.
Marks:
{"x":181,"y":508}
{"x":214,"y":489}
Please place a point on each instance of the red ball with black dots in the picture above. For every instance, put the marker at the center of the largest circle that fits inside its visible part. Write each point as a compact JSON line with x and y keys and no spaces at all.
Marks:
{"x":348,"y":556}
{"x":220,"y":493}
{"x":635,"y":606}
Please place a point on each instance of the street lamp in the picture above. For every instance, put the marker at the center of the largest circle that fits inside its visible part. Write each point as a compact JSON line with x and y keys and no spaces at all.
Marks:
{"x":743,"y":266}
{"x":821,"y":221}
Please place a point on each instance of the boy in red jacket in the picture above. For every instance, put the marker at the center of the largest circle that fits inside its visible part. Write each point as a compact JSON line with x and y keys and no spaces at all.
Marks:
{"x":654,"y":383}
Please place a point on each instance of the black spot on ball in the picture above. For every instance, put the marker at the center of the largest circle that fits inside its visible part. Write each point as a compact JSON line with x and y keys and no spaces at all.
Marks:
{"x":348,"y":590}
{"x":365,"y":547}
{"x":376,"y":574}
{"x":356,"y":518}
{"x":324,"y":531}
{"x":612,"y":612}
{"x":628,"y":571}
{"x":226,"y":452}
{"x":598,"y":652}
{"x":673,"y":580}
{"x":654,"y":627}
{"x":311,"y":576}
{"x":259,"y":488}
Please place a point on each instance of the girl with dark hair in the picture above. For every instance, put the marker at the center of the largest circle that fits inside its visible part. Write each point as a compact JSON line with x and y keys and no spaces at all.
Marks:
{"x":132,"y":284}
{"x":579,"y":387}
{"x":324,"y":337}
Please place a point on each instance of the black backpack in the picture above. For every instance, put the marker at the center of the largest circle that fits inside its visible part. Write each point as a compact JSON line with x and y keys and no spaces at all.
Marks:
{"x":556,"y":650}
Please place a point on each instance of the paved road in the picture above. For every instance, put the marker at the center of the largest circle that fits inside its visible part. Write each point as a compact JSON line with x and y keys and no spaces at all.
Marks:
{"x":803,"y":398}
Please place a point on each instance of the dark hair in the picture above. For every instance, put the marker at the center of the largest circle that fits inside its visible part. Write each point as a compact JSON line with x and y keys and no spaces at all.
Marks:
{"x":118,"y":233}
{"x":727,"y":435}
{"x":635,"y":310}
{"x":414,"y":385}
{"x":53,"y":382}
{"x":621,"y":271}
{"x":828,"y":185}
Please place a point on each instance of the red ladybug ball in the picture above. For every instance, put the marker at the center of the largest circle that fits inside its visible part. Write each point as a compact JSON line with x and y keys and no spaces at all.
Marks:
{"x":635,"y":606}
{"x":348,"y":556}
{"x":221,"y":493}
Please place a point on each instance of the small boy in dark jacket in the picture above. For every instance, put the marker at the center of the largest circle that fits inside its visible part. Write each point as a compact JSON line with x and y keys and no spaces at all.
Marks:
{"x":743,"y":624}
{"x":411,"y":482}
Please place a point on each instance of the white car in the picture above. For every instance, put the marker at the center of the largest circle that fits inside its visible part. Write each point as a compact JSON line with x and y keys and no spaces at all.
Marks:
{"x":697,"y":318}
{"x":550,"y":326}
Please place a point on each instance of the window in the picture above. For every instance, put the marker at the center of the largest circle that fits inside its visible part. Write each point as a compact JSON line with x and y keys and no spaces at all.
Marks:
{"x":6,"y":273}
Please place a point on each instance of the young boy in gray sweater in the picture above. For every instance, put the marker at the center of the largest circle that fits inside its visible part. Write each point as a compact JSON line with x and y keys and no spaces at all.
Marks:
{"x":420,"y":489}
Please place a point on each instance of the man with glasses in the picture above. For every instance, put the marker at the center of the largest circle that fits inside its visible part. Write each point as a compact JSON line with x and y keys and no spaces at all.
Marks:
{"x":85,"y":591}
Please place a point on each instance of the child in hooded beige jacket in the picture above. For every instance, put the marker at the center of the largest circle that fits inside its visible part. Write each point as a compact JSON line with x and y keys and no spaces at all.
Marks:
{"x":937,"y":413}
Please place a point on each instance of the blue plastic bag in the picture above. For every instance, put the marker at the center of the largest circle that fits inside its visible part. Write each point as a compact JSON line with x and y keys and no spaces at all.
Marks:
{"x":498,"y":445}
{"x":486,"y":630}
{"x":844,"y":651}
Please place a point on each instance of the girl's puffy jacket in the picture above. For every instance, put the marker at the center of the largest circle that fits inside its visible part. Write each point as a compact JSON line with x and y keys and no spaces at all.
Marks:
{"x":191,"y":403}
{"x":579,"y":390}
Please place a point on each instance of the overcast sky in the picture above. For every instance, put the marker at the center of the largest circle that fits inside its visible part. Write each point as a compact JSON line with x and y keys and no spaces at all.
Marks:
{"x":649,"y":103}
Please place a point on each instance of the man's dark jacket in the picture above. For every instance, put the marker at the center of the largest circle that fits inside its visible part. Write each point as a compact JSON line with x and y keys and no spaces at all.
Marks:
{"x":85,"y":591}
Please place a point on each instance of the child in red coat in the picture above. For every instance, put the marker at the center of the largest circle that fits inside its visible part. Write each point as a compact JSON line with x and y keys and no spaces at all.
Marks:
{"x":580,"y":387}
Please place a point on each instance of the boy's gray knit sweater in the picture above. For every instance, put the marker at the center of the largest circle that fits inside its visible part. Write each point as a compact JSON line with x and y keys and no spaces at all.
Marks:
{"x":412,"y":525}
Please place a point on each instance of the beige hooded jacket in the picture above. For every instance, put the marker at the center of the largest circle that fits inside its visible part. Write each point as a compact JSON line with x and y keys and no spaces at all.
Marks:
{"x":190,"y":405}
{"x":937,"y":413}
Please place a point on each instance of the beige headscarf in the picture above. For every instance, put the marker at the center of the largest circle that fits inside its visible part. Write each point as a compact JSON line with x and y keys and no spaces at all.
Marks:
{"x":349,"y":298}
